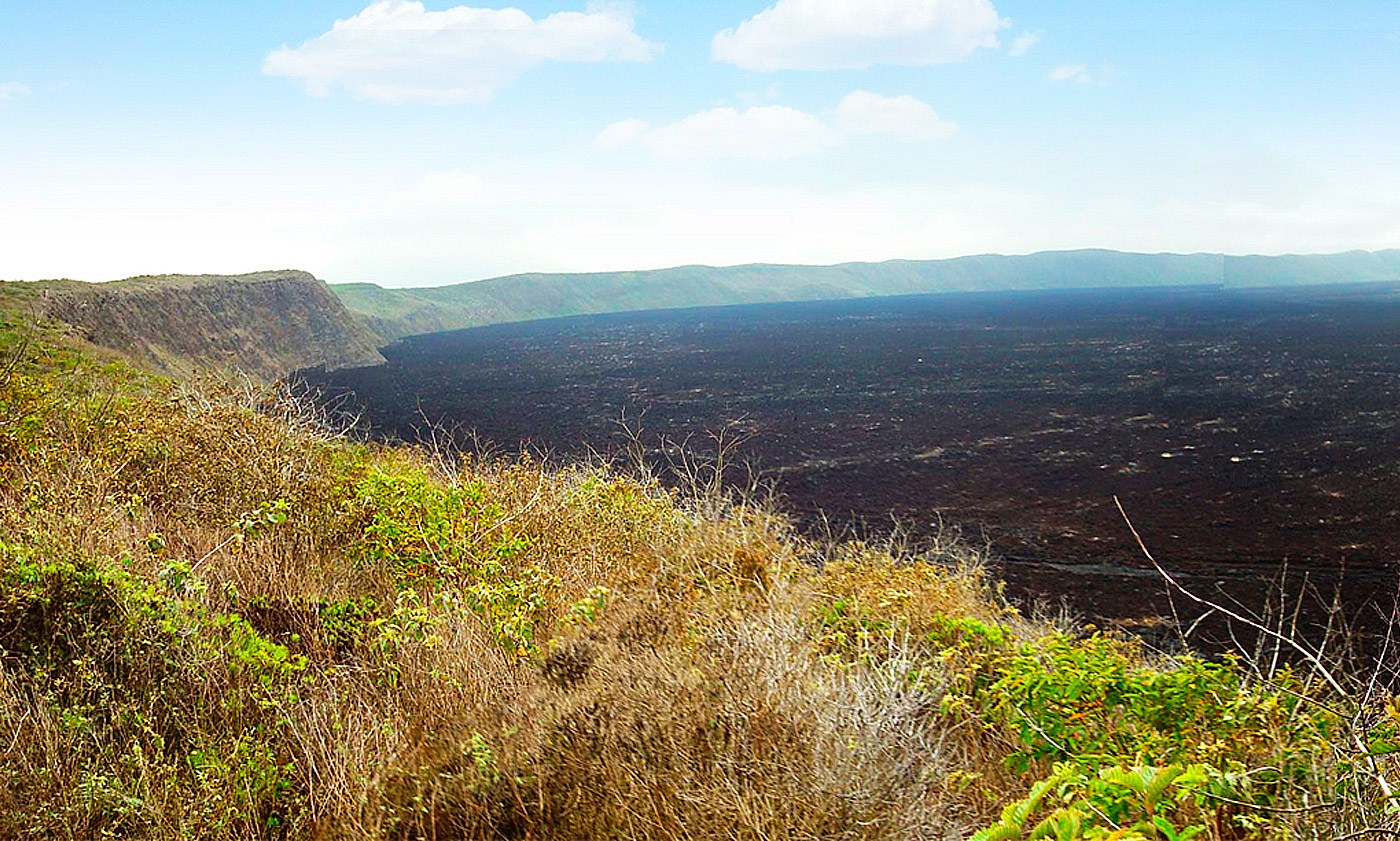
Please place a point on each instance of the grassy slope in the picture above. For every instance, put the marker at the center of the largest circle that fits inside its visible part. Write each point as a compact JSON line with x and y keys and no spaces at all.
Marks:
{"x":397,"y":312}
{"x":217,"y":620}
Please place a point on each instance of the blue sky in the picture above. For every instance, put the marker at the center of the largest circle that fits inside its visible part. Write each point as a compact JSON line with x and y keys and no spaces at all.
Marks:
{"x":424,"y":143}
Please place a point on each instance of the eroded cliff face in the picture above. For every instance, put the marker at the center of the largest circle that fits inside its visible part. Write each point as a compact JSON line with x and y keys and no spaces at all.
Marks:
{"x":266,"y":324}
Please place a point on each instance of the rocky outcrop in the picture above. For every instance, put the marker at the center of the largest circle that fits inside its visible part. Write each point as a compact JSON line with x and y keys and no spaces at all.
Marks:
{"x":266,"y":324}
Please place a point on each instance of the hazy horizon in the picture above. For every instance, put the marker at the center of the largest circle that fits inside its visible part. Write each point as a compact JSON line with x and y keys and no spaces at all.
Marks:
{"x":421,"y":144}
{"x":720,"y":267}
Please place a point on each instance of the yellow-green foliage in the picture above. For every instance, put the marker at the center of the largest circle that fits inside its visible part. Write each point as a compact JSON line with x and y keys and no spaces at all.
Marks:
{"x":218,"y":620}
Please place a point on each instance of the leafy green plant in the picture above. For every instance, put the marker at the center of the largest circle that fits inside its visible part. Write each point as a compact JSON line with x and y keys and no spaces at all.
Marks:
{"x":586,"y":609}
{"x":250,"y":524}
{"x":267,"y":662}
{"x":514,"y":606}
{"x":432,"y":532}
{"x":1119,"y":802}
{"x":345,"y":624}
{"x":1095,"y":698}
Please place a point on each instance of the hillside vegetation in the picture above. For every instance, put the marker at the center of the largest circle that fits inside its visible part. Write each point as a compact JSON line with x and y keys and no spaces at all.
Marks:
{"x":393,"y":313}
{"x":267,"y":324}
{"x":219,"y":618}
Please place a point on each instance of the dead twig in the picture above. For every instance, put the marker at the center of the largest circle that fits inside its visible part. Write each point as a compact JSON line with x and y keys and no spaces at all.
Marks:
{"x":1312,"y":657}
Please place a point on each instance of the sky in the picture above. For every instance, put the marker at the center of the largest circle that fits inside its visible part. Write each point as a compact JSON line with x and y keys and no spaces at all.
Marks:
{"x":423,"y":143}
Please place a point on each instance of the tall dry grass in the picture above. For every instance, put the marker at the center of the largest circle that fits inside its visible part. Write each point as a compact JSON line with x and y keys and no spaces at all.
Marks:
{"x":221,"y":617}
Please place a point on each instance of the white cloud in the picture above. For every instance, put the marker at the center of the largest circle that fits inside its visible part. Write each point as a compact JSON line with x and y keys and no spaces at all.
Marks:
{"x":12,"y":90}
{"x":1023,"y":43}
{"x":843,"y":34}
{"x":1072,"y":73}
{"x":622,"y":133}
{"x":905,"y":117}
{"x":777,"y":132}
{"x":769,"y":132}
{"x":396,"y":51}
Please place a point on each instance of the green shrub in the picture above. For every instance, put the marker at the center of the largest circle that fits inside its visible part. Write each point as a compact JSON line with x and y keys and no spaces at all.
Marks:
{"x":1097,"y":699}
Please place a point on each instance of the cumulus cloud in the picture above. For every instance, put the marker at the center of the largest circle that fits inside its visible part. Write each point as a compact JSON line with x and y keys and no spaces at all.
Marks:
{"x":397,"y":51}
{"x":622,"y":133}
{"x":845,"y":35}
{"x":12,"y":90}
{"x":1071,"y":73}
{"x":1023,"y":43}
{"x":905,"y":117}
{"x":777,"y":132}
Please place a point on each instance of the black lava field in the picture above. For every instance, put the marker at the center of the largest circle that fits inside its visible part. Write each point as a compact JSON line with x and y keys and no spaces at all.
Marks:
{"x":1250,"y":435}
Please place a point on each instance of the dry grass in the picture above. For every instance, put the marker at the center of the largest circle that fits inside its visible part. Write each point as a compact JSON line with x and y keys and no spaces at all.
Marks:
{"x":222,"y":618}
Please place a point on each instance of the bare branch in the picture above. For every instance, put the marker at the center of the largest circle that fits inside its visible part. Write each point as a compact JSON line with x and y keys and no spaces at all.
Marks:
{"x":1307,"y":653}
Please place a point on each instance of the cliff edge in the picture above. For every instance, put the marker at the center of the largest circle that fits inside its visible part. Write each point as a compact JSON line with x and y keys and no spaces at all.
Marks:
{"x":267,"y":324}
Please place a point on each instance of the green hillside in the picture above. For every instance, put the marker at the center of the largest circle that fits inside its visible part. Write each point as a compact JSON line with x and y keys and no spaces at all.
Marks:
{"x":399,"y":312}
{"x":1309,"y":269}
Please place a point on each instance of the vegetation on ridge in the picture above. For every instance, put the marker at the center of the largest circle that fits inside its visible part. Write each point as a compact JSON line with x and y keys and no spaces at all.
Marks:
{"x":266,"y":324}
{"x":220,"y":619}
{"x":393,"y":313}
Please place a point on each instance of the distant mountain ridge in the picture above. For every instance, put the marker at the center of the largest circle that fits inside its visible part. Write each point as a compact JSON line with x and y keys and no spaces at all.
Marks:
{"x":394,"y":313}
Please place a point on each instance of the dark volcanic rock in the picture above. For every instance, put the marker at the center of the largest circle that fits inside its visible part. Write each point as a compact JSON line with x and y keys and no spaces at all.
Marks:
{"x":1245,"y":431}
